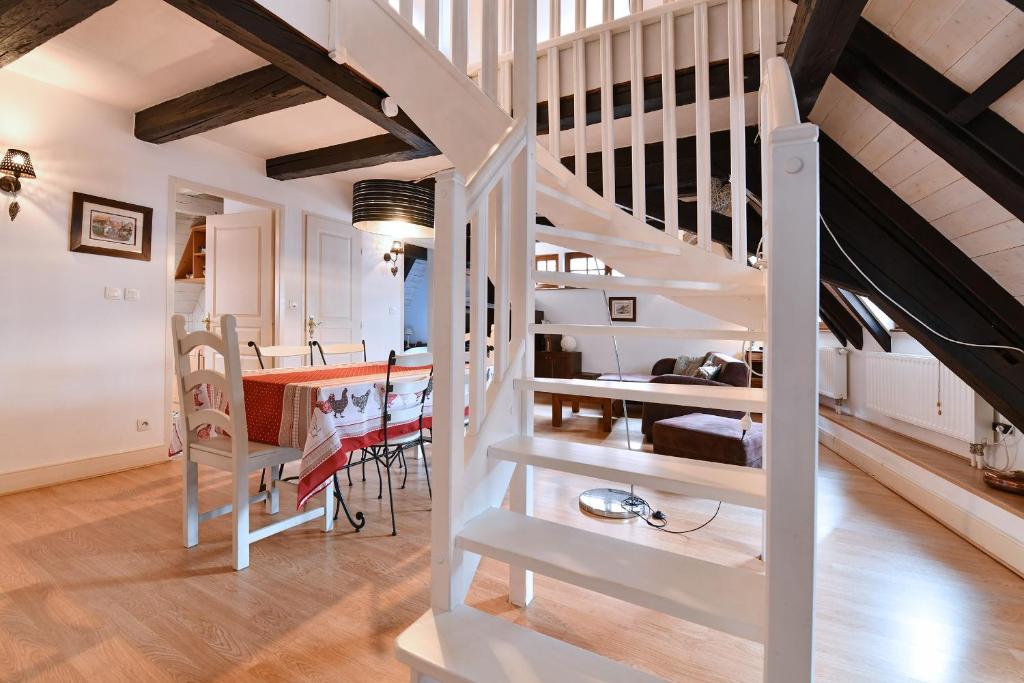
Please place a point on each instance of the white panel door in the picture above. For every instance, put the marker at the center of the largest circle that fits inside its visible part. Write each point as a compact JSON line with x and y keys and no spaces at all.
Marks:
{"x":240,"y":276}
{"x":333,"y":284}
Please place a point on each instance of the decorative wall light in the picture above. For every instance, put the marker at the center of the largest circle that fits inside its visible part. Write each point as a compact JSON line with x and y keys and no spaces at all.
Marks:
{"x":395,"y":208}
{"x":392,"y":256}
{"x":15,"y":165}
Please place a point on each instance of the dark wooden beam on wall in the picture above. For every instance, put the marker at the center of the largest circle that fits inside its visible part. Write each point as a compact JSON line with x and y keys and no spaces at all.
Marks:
{"x":913,"y":263}
{"x":262,"y":91}
{"x":833,"y":310}
{"x":718,"y":79}
{"x":347,"y":156}
{"x":866,"y":319}
{"x":816,"y":40}
{"x":27,"y":24}
{"x":997,"y":85}
{"x":988,"y":151}
{"x":833,"y":328}
{"x":263,"y":33}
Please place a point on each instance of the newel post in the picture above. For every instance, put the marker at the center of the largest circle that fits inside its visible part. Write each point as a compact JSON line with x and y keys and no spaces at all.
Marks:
{"x":448,"y":343}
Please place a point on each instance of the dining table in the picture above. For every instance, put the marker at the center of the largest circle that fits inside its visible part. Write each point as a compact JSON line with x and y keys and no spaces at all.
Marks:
{"x":326,"y":411}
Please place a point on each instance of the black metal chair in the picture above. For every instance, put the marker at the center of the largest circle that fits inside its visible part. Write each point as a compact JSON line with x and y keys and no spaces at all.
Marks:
{"x":391,"y":450}
{"x":337,"y":348}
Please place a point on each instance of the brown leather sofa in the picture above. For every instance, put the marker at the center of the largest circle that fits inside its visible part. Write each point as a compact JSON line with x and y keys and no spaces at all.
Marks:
{"x":732,"y":372}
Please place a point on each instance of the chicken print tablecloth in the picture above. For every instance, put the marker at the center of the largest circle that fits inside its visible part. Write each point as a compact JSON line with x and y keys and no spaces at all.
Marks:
{"x":327,"y":412}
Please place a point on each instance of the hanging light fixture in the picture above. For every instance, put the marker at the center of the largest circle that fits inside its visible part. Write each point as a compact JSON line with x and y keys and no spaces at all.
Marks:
{"x":395,"y":208}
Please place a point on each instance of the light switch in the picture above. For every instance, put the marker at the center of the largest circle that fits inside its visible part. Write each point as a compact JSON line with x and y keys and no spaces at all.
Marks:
{"x":112,"y":293}
{"x":132,"y":295}
{"x":392,"y":310}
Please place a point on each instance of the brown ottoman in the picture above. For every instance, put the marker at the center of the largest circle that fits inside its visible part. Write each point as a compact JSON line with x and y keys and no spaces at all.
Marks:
{"x":709,"y":437}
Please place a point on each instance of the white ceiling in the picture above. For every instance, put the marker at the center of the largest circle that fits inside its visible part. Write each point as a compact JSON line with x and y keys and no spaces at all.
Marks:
{"x":137,"y":53}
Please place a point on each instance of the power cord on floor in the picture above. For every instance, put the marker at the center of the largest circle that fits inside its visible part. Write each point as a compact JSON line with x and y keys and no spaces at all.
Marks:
{"x":657,"y":519}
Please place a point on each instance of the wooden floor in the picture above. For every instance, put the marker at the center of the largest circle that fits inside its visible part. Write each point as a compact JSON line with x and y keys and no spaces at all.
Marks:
{"x":95,"y":586}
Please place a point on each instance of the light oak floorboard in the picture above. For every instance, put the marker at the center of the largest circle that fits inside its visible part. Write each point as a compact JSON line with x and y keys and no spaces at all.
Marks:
{"x":95,"y":586}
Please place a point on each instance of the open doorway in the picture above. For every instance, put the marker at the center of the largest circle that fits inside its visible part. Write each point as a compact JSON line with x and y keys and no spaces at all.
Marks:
{"x":222,"y":252}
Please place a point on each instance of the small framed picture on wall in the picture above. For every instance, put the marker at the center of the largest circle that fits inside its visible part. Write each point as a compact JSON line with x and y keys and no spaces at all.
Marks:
{"x":110,"y":228}
{"x":622,"y":309}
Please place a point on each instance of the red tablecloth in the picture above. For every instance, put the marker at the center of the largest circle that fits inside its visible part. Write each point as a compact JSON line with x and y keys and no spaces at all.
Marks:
{"x":327,"y":412}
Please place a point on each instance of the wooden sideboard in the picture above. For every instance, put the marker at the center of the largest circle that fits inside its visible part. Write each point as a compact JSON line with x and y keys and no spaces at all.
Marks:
{"x":558,"y":364}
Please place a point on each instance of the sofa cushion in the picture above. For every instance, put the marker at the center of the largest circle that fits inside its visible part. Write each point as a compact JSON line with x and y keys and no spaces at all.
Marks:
{"x":709,"y":437}
{"x":688,"y":366}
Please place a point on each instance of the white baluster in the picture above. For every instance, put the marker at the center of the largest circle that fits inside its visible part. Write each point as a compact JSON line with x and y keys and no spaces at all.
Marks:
{"x":432,"y":21}
{"x":636,"y":119}
{"x":767,"y":45}
{"x":460,"y":34}
{"x":405,"y":9}
{"x":668,"y":123}
{"x":501,"y":278}
{"x":607,"y":121}
{"x":554,"y":104}
{"x":703,"y":127}
{"x":607,"y":11}
{"x":737,"y":133}
{"x":579,"y":107}
{"x":581,"y":15}
{"x":478,"y":315}
{"x":489,"y":49}
{"x":555,"y":18}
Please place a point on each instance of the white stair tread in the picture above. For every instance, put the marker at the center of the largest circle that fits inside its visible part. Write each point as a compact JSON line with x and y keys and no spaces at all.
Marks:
{"x":649,"y":285}
{"x":691,"y":395}
{"x":644,"y":331}
{"x":728,"y":599}
{"x":556,"y":235}
{"x":710,"y":480}
{"x":466,"y":645}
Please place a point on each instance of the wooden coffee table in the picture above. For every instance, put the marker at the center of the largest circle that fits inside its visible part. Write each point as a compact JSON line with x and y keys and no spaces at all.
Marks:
{"x":574,"y":401}
{"x":609,"y":408}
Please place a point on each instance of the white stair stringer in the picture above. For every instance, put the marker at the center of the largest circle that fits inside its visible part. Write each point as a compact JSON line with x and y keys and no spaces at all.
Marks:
{"x":465,"y":124}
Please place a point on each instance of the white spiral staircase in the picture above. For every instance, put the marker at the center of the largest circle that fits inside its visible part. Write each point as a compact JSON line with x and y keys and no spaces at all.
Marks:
{"x":511,"y":180}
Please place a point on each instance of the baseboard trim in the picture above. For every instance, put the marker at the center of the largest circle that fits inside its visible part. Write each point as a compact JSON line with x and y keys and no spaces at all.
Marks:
{"x":992,"y":529}
{"x":75,"y":470}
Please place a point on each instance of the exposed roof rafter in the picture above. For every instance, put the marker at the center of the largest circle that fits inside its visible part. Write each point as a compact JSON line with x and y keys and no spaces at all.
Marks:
{"x":816,"y":40}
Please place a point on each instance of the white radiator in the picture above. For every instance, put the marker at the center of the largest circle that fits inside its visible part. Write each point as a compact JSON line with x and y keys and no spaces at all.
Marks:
{"x":908,"y":388}
{"x":832,"y":372}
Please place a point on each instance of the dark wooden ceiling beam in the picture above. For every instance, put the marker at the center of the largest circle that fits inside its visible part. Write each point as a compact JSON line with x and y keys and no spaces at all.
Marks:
{"x":834,"y":311}
{"x":988,"y":151}
{"x":936,"y":282}
{"x":263,"y":33}
{"x":819,"y":33}
{"x":347,"y":156}
{"x":262,"y":91}
{"x":866,"y":319}
{"x":27,"y":24}
{"x":997,"y":85}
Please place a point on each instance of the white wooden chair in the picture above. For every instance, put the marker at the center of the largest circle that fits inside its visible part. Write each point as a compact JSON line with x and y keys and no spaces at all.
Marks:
{"x":338,"y":348}
{"x":230,"y":450}
{"x":281,"y":351}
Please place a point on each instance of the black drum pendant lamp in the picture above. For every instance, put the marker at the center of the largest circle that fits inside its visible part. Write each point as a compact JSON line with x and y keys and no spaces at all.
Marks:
{"x":395,"y":208}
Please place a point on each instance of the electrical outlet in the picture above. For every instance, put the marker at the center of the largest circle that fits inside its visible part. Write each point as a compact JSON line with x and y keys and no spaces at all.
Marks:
{"x":132,"y":294}
{"x":142,"y":425}
{"x":112,"y":293}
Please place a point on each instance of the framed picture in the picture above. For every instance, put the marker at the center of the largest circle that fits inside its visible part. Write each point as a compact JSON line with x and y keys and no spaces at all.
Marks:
{"x":622,"y":309}
{"x":110,"y":228}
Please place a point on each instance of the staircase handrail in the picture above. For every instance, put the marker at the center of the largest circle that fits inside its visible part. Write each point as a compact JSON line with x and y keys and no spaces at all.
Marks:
{"x":498,"y":160}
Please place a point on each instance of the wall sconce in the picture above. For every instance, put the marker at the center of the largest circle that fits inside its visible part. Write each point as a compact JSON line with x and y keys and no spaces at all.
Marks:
{"x":392,"y":256}
{"x":16,"y":164}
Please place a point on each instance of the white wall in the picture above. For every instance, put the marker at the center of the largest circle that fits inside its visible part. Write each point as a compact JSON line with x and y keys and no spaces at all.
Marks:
{"x":637,"y":355}
{"x":77,"y":370}
{"x":383,"y":303}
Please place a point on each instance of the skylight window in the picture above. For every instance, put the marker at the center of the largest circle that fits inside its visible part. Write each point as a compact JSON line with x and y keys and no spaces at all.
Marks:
{"x":887,"y":322}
